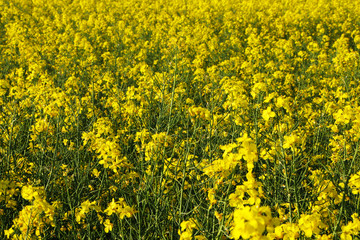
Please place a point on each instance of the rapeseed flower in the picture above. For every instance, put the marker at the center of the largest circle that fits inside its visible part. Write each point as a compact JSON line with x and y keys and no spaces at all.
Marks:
{"x":108,"y":226}
{"x":268,"y":113}
{"x":311,"y":224}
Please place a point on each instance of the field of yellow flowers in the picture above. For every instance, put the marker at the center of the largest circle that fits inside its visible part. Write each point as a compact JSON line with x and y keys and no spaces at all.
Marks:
{"x":178,"y":119}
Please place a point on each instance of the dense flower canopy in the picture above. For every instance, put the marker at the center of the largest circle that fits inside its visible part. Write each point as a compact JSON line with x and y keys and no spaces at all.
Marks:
{"x":177,"y":119}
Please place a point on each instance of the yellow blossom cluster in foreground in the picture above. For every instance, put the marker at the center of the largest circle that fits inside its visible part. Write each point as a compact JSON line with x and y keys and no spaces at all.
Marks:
{"x":177,"y":119}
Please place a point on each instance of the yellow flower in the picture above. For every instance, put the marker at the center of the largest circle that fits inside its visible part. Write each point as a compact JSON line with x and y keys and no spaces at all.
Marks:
{"x":126,"y":212}
{"x":9,"y":232}
{"x":199,"y":112}
{"x":211,"y":197}
{"x":311,"y":224}
{"x":96,"y":173}
{"x":186,"y":229}
{"x":267,"y":114}
{"x":108,"y":225}
{"x":354,"y":183}
{"x":352,"y":228}
{"x":188,"y":225}
{"x":186,"y":236}
{"x":29,"y":193}
{"x":218,"y":215}
{"x":287,"y":231}
{"x":250,"y":221}
{"x":290,"y":141}
{"x":112,"y":208}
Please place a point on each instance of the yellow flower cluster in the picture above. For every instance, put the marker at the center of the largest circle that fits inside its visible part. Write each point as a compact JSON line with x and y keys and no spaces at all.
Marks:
{"x":32,"y":218}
